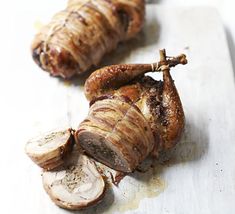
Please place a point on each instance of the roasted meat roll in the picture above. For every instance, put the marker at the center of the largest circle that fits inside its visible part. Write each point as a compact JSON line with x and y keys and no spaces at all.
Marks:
{"x":116,"y":133}
{"x":79,"y":36}
{"x":131,"y":115}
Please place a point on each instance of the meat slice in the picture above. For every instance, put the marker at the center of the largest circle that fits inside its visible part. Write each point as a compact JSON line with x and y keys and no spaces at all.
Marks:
{"x":76,"y":185}
{"x":49,"y":150}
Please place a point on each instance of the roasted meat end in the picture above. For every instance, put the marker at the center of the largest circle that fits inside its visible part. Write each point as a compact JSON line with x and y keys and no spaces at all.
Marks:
{"x":116,"y":134}
{"x":100,"y":149}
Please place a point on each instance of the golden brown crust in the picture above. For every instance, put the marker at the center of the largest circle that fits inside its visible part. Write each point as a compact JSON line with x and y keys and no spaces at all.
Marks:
{"x":116,"y":133}
{"x":107,"y":79}
{"x":158,"y":101}
{"x":173,"y":117}
{"x":79,"y":36}
{"x":165,"y":112}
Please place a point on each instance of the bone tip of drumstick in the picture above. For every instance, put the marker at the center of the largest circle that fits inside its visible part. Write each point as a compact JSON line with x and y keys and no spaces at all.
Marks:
{"x":162,"y":53}
{"x":183,"y":60}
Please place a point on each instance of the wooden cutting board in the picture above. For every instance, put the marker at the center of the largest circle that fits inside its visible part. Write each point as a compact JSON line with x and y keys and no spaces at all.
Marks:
{"x":200,"y":175}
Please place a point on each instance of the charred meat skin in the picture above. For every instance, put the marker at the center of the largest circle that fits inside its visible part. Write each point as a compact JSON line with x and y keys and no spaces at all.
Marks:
{"x":79,"y":36}
{"x":157,"y":102}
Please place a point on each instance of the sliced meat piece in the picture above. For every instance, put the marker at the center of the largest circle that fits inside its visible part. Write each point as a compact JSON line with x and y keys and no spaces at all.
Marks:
{"x":48,"y":150}
{"x":76,"y":185}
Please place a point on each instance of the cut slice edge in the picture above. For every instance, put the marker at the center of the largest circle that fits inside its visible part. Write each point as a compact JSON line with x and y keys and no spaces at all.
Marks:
{"x":76,"y":185}
{"x":102,"y":150}
{"x":49,"y":149}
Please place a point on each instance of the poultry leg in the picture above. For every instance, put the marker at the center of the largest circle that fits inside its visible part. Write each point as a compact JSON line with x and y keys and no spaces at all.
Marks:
{"x":120,"y":131}
{"x":112,"y":77}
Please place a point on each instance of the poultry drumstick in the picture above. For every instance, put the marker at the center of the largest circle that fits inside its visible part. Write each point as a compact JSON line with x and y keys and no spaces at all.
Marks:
{"x":79,"y":36}
{"x":131,"y":115}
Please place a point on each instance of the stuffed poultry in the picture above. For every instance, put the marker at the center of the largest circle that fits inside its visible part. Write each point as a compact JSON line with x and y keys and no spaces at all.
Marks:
{"x":131,"y":115}
{"x":79,"y":36}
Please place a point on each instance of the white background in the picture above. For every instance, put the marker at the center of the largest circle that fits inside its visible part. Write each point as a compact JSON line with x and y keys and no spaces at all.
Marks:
{"x":226,"y":9}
